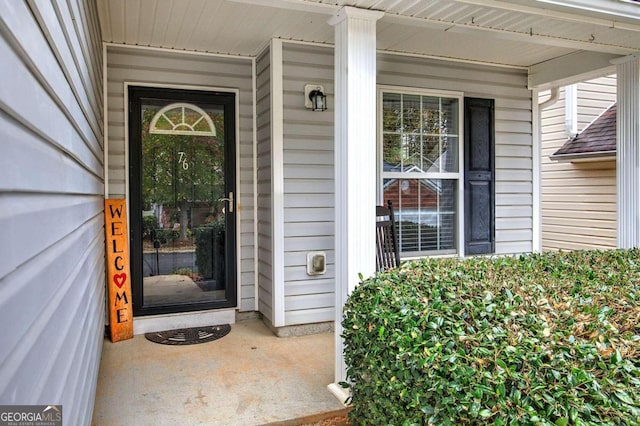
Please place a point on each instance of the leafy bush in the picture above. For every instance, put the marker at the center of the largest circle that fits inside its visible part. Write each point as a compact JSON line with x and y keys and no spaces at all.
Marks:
{"x":149,"y":226}
{"x":166,"y":236}
{"x":210,"y":245}
{"x":549,"y":339}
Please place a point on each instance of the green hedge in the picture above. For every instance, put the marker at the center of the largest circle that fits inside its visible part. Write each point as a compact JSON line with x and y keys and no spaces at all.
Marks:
{"x":210,"y":245}
{"x":548,"y":339}
{"x":149,"y":226}
{"x":167,"y":236}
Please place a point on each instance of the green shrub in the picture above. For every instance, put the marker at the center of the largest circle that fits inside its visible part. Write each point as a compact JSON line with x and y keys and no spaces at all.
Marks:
{"x":166,"y":236}
{"x":149,"y":226}
{"x":210,"y":245}
{"x":549,"y":339}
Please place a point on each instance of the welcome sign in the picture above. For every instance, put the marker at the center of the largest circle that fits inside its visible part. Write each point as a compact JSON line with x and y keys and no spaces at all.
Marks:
{"x":118,"y":271}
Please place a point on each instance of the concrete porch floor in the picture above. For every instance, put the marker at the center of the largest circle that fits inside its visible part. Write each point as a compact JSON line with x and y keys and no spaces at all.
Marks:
{"x":248,"y":377}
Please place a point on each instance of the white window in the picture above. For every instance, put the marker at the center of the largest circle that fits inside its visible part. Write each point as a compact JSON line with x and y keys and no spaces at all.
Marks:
{"x":420,"y":153}
{"x":182,"y":119}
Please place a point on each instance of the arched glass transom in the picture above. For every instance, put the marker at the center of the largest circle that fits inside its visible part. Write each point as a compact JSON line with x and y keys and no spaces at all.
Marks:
{"x":182,"y":119}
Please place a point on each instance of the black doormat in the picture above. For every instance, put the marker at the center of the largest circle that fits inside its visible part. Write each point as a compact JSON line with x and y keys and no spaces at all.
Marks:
{"x":189,"y":336}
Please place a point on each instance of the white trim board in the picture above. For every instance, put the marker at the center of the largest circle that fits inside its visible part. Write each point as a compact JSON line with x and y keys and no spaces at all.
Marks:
{"x":105,"y":123}
{"x":536,"y":157}
{"x":182,"y":51}
{"x":277,"y":182}
{"x":254,"y":96}
{"x":415,"y":55}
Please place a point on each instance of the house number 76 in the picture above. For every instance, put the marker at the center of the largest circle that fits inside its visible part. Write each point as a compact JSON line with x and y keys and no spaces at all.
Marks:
{"x":183,"y":160}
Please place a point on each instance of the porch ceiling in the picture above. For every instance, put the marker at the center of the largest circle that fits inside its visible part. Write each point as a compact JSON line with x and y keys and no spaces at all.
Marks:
{"x":520,"y":33}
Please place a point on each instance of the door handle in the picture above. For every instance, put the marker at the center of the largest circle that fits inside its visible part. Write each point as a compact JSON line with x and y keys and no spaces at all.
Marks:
{"x":230,"y":200}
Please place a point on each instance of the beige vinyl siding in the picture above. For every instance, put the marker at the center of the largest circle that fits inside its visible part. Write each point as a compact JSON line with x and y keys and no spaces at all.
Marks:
{"x":594,"y":97}
{"x":175,"y":69}
{"x":513,"y":138}
{"x":308,"y":185}
{"x":51,"y":206}
{"x":265,"y":228}
{"x":578,"y":199}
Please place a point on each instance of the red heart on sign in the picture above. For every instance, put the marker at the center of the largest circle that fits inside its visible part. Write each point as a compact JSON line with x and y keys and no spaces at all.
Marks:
{"x":119,"y":279}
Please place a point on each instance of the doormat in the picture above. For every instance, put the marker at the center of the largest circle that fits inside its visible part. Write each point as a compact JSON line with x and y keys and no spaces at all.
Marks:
{"x":189,"y":336}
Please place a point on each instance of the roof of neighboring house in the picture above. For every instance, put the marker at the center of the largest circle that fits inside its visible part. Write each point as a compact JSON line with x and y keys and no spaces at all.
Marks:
{"x":598,"y":139}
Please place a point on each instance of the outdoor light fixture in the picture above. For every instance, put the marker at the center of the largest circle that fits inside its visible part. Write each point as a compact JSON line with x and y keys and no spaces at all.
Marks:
{"x":314,"y":97}
{"x":318,"y":100}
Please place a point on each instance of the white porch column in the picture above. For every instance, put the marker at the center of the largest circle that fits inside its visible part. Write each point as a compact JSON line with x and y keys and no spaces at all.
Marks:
{"x":628,"y":152}
{"x":355,"y":158}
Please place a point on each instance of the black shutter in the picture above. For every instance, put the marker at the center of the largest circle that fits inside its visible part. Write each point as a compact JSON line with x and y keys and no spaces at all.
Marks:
{"x":479,"y":199}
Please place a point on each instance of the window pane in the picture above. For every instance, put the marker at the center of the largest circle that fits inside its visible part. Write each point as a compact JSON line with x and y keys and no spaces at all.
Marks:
{"x":449,"y":157}
{"x":411,"y":122}
{"x":175,"y":115}
{"x":431,"y":113}
{"x":440,"y":154}
{"x":391,"y":112}
{"x":392,"y":151}
{"x":449,"y":116}
{"x":431,"y":154}
{"x":412,"y":156}
{"x":425,"y":213}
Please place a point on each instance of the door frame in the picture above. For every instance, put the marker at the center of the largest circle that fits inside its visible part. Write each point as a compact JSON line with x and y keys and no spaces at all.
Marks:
{"x":233,"y":153}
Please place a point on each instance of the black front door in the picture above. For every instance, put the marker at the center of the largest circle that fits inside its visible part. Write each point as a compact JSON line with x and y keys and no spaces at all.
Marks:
{"x":182,"y":187}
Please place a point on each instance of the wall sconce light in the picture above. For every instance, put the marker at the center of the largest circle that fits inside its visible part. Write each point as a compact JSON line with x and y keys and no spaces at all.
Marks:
{"x":314,"y":97}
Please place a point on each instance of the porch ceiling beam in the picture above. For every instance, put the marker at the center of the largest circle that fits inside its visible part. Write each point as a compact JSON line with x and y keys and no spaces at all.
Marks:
{"x":469,"y":28}
{"x":299,"y":5}
{"x":555,"y":14}
{"x":621,"y":9}
{"x":532,"y":37}
{"x":613,"y":22}
{"x":571,"y":68}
